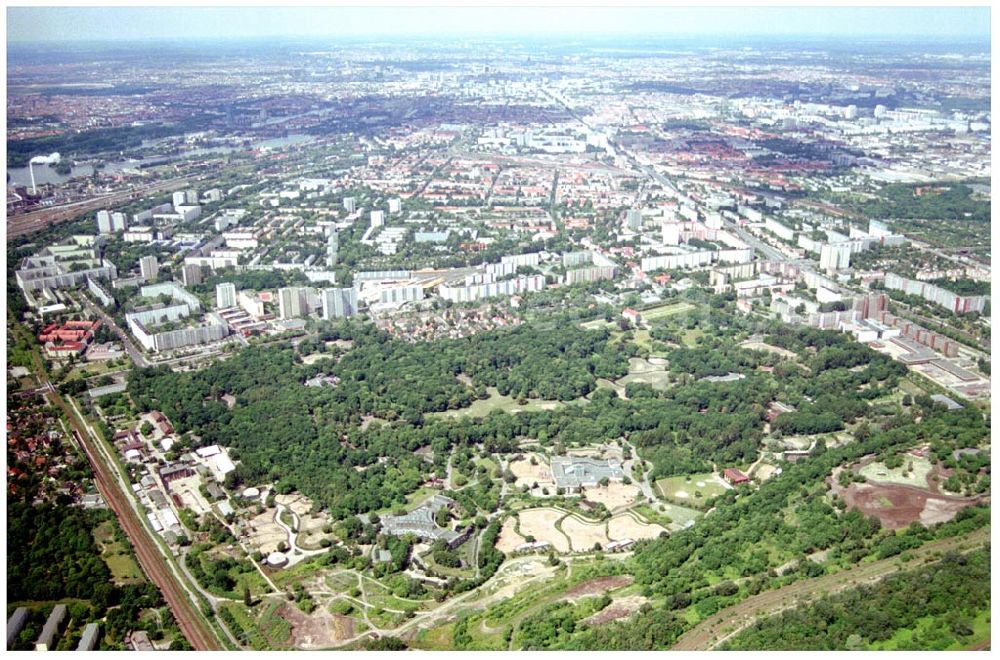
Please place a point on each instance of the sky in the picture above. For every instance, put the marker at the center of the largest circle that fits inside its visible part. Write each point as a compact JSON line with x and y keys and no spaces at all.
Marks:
{"x":27,"y":24}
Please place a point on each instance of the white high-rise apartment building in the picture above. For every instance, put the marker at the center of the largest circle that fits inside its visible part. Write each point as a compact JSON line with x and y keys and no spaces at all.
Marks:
{"x":148,"y":267}
{"x":225,"y":295}
{"x":339,"y":303}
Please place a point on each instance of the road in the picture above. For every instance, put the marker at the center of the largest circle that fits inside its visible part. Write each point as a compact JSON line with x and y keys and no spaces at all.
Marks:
{"x":295,"y":553}
{"x":728,"y":622}
{"x":643,"y":484}
{"x":138,"y":359}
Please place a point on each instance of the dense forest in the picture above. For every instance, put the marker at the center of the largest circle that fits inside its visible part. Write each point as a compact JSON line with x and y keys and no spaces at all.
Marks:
{"x":311,"y":439}
{"x":934,"y":202}
{"x":951,"y":591}
{"x":55,"y":554}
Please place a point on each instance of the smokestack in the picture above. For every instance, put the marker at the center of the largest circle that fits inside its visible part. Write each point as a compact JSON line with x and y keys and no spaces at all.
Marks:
{"x":41,"y":160}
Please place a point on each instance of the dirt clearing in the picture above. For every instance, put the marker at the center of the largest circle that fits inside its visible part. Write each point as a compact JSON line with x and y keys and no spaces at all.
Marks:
{"x":541,"y":523}
{"x":624,"y":526}
{"x":613,"y":495}
{"x":599,"y":586}
{"x":509,"y":539}
{"x":583,"y":535}
{"x":528,"y":474}
{"x":898,"y":506}
{"x":619,"y":609}
{"x":320,"y":630}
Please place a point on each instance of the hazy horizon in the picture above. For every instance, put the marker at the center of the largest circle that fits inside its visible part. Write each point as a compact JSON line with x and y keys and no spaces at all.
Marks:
{"x":48,"y":25}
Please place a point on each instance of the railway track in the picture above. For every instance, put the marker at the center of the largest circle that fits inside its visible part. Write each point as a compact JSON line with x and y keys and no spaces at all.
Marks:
{"x":190,"y":620}
{"x":29,"y":223}
{"x":730,"y":621}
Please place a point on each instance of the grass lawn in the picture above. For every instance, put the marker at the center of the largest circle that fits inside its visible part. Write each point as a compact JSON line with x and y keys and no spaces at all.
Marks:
{"x":643,"y":340}
{"x":658,"y":380}
{"x":378,"y":595}
{"x":482,"y":407}
{"x":690,"y":336}
{"x":435,"y":639}
{"x":932,"y":627}
{"x":691,"y":490}
{"x":342,"y":582}
{"x":489,"y":464}
{"x":672,"y":516}
{"x":911,"y":388}
{"x":597,"y":324}
{"x":124,"y":569}
{"x":666,"y":310}
{"x":879,"y":473}
{"x":276,"y":629}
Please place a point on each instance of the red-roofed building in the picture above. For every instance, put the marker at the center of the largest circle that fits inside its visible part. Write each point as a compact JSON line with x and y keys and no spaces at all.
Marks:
{"x":734,"y":477}
{"x":65,"y":349}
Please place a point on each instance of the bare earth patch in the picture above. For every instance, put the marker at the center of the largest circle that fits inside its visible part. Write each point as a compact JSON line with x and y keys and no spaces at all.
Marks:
{"x":541,"y":523}
{"x":528,"y":474}
{"x":582,"y":535}
{"x":619,"y":609}
{"x":300,"y":504}
{"x":765,"y":472}
{"x":624,"y":526}
{"x":264,"y":534}
{"x":509,"y":539}
{"x":599,"y":586}
{"x":613,"y":495}
{"x":320,"y":630}
{"x":898,"y":506}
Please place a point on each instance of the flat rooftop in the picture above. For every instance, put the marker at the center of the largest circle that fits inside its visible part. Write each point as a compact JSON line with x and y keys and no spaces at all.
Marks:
{"x":574,"y":472}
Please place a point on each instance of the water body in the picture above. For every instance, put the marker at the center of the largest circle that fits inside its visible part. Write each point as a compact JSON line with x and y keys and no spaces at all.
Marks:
{"x":45,"y":174}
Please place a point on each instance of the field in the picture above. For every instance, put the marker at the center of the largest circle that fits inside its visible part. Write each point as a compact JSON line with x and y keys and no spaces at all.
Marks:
{"x":760,"y":346}
{"x":667,"y":310}
{"x":321,"y":629}
{"x":679,"y":516}
{"x":597,"y":324}
{"x":276,"y":629}
{"x":246,"y":629}
{"x":123,"y":567}
{"x":527,"y":474}
{"x":692,"y":490}
{"x":509,"y":539}
{"x":316,"y":357}
{"x":879,"y":473}
{"x":496,"y":401}
{"x":583,"y":535}
{"x":898,"y":506}
{"x":541,"y":523}
{"x":613,"y":495}
{"x":626,"y":526}
{"x":658,"y":380}
{"x":690,"y":337}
